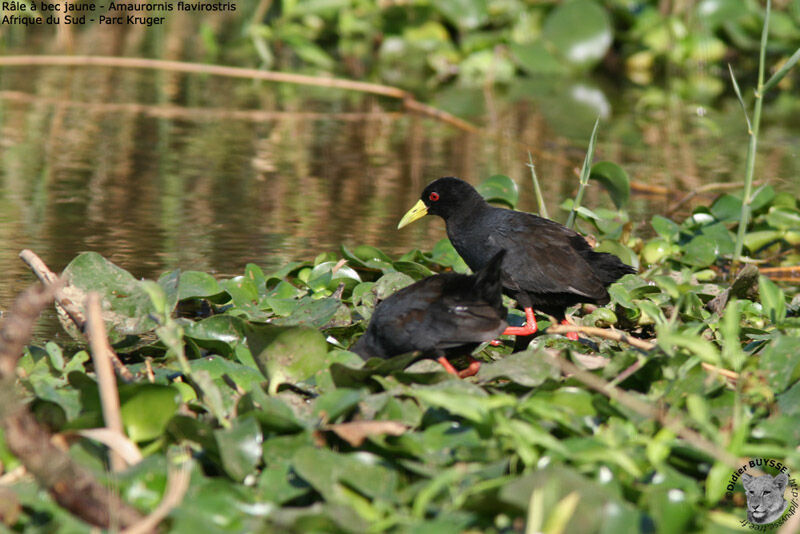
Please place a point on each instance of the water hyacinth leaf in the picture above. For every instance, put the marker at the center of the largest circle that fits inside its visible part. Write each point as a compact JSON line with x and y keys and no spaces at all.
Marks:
{"x":219,"y":333}
{"x":580,"y":31}
{"x":126,"y":305}
{"x":244,"y":294}
{"x":287,"y":354}
{"x":535,"y":58}
{"x":664,"y":227}
{"x":783,"y":218}
{"x":331,"y":274}
{"x":601,"y":510}
{"x":614,"y":179}
{"x":254,"y":273}
{"x":331,"y":405}
{"x":499,"y":188}
{"x":272,"y":413}
{"x":755,"y":241}
{"x":466,"y":14}
{"x":240,"y":447}
{"x":310,"y":312}
{"x":722,"y":238}
{"x":700,"y":251}
{"x":714,"y":13}
{"x":367,"y":257}
{"x":415,"y":270}
{"x":727,"y":208}
{"x":780,"y":360}
{"x":326,"y":471}
{"x":390,"y":284}
{"x":445,"y":254}
{"x":146,"y":409}
{"x":528,"y":368}
{"x":245,"y":377}
{"x":762,"y":197}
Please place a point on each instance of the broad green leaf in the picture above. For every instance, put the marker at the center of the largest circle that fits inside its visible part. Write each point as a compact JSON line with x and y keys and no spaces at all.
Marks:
{"x":466,"y":14}
{"x":146,"y":409}
{"x":614,"y":179}
{"x":126,"y":305}
{"x":240,"y":447}
{"x":310,"y":312}
{"x":500,"y":188}
{"x":529,"y":368}
{"x":780,"y":361}
{"x":535,"y":58}
{"x":287,"y":354}
{"x":196,"y":284}
{"x":580,"y":32}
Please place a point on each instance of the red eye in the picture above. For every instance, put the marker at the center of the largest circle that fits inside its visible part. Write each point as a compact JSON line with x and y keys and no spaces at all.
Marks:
{"x":434,"y":196}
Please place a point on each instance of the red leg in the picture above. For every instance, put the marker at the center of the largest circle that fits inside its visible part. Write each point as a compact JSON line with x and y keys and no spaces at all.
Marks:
{"x":570,"y":335}
{"x":471,"y":370}
{"x":529,"y":328}
{"x":447,"y":365}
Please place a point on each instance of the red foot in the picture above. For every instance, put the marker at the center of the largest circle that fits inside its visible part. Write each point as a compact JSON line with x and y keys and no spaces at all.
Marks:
{"x":471,"y":370}
{"x":570,"y":335}
{"x":529,"y":328}
{"x":495,"y":343}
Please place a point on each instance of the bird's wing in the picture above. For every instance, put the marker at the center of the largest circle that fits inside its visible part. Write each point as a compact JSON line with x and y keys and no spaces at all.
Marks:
{"x":465,"y":321}
{"x":544,"y":256}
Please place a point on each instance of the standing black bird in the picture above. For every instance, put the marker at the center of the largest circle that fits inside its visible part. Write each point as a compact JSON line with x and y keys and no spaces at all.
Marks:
{"x":438,"y":315}
{"x":547,"y":266}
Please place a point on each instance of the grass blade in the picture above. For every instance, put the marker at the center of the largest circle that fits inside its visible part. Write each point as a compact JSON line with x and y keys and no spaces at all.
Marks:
{"x":585,"y":171}
{"x":536,"y":189}
{"x":783,"y":71}
{"x":739,"y":97}
{"x":747,"y":196}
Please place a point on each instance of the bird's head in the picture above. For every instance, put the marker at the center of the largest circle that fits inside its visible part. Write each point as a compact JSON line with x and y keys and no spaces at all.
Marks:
{"x":443,"y":197}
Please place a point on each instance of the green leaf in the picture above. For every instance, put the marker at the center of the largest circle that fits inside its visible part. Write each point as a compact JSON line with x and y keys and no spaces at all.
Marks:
{"x":772,"y":299}
{"x":580,"y":32}
{"x":664,"y":227}
{"x":196,"y":284}
{"x":310,"y":312}
{"x":126,"y":305}
{"x":499,"y":188}
{"x":780,"y":361}
{"x":240,"y":447}
{"x":535,"y":58}
{"x":700,"y":252}
{"x":146,"y":409}
{"x":287,"y":354}
{"x":466,"y":14}
{"x":614,"y":179}
{"x":529,"y":368}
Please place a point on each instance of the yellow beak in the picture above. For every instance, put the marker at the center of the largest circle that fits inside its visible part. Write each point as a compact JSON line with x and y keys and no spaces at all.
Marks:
{"x":419,"y":211}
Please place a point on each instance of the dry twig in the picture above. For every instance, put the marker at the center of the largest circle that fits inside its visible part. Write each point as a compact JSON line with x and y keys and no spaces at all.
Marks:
{"x":106,"y":381}
{"x":71,"y":486}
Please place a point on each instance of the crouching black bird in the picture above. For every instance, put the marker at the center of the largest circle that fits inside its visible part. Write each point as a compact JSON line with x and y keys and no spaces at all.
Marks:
{"x":547,"y":266}
{"x":439,"y":315}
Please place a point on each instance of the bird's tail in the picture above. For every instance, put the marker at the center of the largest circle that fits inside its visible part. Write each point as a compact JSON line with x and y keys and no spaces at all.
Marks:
{"x":607,"y":267}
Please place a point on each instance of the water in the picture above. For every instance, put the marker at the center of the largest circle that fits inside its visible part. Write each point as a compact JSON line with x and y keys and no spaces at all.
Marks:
{"x":157,"y":171}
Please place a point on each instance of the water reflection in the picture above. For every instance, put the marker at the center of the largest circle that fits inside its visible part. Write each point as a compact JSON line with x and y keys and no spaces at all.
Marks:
{"x":156,"y":171}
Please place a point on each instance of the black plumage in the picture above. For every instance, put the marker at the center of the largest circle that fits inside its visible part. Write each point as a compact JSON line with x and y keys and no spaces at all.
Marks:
{"x":548,"y":266}
{"x":439,"y":315}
